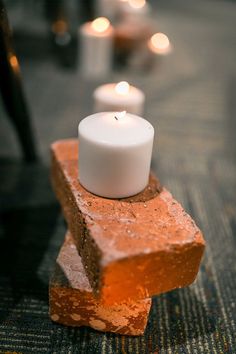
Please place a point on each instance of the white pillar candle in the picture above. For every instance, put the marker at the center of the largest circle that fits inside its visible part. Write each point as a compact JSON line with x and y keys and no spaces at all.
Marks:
{"x":115,"y":151}
{"x":119,"y":97}
{"x":96,"y":48}
{"x":159,"y":44}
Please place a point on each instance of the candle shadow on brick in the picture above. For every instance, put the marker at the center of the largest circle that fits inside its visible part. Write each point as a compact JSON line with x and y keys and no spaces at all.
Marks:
{"x":151,"y":191}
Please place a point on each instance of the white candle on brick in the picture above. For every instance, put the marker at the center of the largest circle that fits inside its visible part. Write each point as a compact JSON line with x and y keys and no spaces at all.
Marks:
{"x":96,"y":47}
{"x":115,"y":151}
{"x":119,"y":97}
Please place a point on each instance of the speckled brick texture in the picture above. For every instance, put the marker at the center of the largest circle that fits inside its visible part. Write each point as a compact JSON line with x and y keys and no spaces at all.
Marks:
{"x":131,"y":248}
{"x":72,"y":302}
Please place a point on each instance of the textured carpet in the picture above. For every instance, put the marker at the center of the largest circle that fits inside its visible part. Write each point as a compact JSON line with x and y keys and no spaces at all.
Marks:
{"x":191,"y":102}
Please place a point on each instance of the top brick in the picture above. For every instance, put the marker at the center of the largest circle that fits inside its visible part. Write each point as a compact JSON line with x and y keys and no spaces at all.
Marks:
{"x":131,"y":248}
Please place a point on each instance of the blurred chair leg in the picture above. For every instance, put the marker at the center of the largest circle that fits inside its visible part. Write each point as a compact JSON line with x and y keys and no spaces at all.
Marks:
{"x":12,"y":91}
{"x":88,"y":10}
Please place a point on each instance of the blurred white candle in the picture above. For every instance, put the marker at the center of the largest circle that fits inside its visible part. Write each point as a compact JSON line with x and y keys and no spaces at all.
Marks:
{"x":115,"y":151}
{"x":96,"y":48}
{"x":119,"y":97}
{"x":159,"y":44}
{"x":135,"y":8}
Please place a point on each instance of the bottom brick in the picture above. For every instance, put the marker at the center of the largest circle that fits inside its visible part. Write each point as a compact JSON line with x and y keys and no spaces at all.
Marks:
{"x":72,"y":302}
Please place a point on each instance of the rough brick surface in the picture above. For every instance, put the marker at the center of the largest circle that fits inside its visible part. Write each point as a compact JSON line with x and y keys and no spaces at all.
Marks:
{"x":131,"y":248}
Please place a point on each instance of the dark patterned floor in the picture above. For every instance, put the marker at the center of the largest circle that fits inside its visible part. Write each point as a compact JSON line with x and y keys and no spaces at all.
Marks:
{"x":191,"y":102}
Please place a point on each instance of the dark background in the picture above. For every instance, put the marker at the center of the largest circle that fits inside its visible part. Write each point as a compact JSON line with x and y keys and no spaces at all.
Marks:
{"x":191,"y":103}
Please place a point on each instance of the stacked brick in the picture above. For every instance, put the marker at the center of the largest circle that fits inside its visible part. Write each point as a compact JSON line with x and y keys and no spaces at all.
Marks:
{"x":118,"y":253}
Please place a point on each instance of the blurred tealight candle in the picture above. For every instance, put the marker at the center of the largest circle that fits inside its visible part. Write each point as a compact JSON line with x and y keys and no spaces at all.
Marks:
{"x":159,"y":44}
{"x":96,"y":47}
{"x":119,"y":97}
{"x":137,"y":4}
{"x":115,"y":150}
{"x":134,"y":8}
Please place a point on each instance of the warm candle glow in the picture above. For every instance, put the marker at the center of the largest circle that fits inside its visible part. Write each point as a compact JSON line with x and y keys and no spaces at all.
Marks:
{"x":120,"y":115}
{"x":137,"y":4}
{"x":122,"y":88}
{"x":59,"y":27}
{"x":160,"y":41}
{"x":101,"y":24}
{"x":14,"y":63}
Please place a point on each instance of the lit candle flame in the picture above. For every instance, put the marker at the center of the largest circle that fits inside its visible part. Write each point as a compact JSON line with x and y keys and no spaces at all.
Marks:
{"x":120,"y":115}
{"x":137,"y":4}
{"x":159,"y":42}
{"x":122,"y":88}
{"x":101,"y":24}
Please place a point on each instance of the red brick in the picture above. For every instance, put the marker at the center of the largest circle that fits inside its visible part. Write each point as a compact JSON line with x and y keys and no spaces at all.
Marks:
{"x":131,"y":248}
{"x":72,"y":302}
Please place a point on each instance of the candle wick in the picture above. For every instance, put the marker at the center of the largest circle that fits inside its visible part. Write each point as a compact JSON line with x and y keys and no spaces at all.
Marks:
{"x":116,"y":118}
